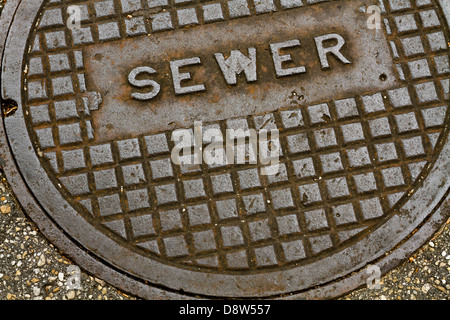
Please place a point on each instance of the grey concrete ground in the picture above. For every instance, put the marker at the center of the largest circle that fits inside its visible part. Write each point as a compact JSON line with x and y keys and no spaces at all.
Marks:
{"x":32,"y":268}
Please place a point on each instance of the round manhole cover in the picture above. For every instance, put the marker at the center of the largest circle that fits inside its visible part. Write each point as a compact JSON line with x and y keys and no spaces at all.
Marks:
{"x":229,"y":148}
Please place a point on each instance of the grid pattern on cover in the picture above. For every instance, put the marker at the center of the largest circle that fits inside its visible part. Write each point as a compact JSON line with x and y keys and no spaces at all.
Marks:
{"x":345,"y":163}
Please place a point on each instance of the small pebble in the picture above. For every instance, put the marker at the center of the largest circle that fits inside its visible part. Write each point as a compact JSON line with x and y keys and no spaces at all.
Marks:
{"x":70,"y":295}
{"x":5,"y":209}
{"x":41,"y":261}
{"x":426,"y":287}
{"x":10,"y":296}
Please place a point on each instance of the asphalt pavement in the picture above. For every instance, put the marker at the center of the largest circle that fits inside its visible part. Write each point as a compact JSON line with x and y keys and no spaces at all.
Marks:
{"x":32,"y":268}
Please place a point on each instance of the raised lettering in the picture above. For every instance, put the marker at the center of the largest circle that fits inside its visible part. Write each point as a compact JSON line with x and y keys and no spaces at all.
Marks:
{"x":143,"y":83}
{"x":335,"y":50}
{"x":236,"y":63}
{"x":177,"y":77}
{"x":279,"y":59}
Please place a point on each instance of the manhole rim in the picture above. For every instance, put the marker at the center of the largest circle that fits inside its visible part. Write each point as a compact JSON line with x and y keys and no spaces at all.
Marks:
{"x":62,"y":240}
{"x":93,"y":265}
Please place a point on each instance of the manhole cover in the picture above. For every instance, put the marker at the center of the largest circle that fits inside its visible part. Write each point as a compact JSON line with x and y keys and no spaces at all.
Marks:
{"x":349,"y":99}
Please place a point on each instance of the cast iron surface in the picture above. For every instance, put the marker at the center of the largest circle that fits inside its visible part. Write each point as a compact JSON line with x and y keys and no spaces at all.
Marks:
{"x":364,"y":146}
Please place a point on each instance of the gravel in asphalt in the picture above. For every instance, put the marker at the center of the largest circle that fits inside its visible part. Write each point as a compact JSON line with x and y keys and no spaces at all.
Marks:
{"x":32,"y":268}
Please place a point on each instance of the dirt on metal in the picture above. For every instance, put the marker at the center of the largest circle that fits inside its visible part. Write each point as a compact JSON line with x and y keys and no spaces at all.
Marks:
{"x":362,"y":116}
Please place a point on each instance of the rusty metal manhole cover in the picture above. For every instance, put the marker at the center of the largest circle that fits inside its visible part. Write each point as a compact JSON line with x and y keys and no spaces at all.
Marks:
{"x":94,"y":93}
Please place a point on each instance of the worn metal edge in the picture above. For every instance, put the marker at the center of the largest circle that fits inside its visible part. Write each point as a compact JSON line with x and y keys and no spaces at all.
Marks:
{"x":49,"y":229}
{"x":402,"y":251}
{"x":127,"y":283}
